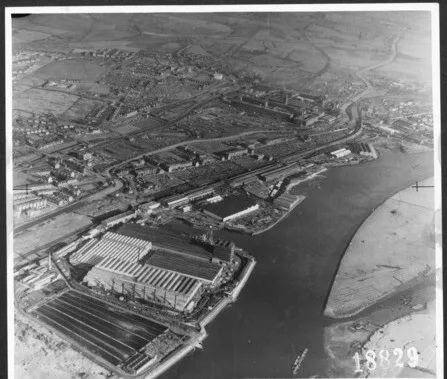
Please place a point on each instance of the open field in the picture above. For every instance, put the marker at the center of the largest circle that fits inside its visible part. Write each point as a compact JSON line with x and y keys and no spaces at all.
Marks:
{"x":80,"y":109}
{"x":23,"y":36}
{"x":126,"y":129}
{"x":19,"y":178}
{"x":121,"y":150}
{"x":68,"y":22}
{"x":92,"y":87}
{"x":77,"y":69}
{"x":177,"y":24}
{"x":55,"y":228}
{"x":41,"y":101}
{"x":101,"y":328}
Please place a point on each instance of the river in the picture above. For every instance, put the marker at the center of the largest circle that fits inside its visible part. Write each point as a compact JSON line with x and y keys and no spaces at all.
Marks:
{"x":279,"y":312}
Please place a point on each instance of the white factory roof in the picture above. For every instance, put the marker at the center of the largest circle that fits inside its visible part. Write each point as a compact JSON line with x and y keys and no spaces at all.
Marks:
{"x":150,"y":275}
{"x":338,"y":151}
{"x":112,"y":245}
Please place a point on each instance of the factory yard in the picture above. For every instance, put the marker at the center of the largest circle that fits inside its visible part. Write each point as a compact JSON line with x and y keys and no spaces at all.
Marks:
{"x":101,"y":328}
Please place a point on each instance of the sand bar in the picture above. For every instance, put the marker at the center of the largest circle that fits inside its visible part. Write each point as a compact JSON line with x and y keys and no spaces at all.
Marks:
{"x":393,"y":247}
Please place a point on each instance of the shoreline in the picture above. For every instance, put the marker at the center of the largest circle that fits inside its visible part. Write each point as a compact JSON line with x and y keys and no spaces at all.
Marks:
{"x":287,"y":213}
{"x":330,"y":311}
{"x":299,"y":201}
{"x":344,"y":338}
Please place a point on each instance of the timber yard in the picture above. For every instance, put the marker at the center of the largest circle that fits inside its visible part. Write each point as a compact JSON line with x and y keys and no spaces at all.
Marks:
{"x":113,"y":144}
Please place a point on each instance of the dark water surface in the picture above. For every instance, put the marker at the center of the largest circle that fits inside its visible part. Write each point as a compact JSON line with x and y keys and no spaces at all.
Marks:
{"x":279,"y":311}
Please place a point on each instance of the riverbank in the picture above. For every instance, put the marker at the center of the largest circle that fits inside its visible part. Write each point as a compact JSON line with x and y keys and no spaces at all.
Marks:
{"x":279,"y":312}
{"x":373,"y":268}
{"x":293,"y":183}
{"x":385,"y":285}
{"x":282,"y":217}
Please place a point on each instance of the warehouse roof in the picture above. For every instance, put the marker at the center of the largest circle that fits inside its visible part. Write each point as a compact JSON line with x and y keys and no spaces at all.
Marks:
{"x":200,"y":269}
{"x":111,"y":245}
{"x":230,"y":205}
{"x":222,"y":252}
{"x":165,"y":240}
{"x":150,"y":275}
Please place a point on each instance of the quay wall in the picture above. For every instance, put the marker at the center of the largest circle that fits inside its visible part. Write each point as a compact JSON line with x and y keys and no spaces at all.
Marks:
{"x":245,"y":275}
{"x":173,"y":359}
{"x":215,"y":311}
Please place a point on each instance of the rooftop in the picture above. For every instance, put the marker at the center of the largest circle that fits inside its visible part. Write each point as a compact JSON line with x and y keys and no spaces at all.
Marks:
{"x":199,"y":269}
{"x":164,"y":239}
{"x":230,"y":205}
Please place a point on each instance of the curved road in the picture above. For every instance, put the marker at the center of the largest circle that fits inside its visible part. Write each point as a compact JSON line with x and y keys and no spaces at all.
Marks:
{"x":377,"y":65}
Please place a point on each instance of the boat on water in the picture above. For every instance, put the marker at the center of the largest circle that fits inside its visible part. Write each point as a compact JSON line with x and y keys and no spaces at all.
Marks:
{"x":299,"y":359}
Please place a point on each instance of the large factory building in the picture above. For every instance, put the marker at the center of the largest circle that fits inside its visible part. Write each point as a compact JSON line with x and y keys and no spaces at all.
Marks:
{"x":150,"y":264}
{"x":231,"y":207}
{"x":145,"y":282}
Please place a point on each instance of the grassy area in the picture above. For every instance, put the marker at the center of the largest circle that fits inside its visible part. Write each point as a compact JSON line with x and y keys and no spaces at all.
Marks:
{"x":71,"y":69}
{"x":54,"y":228}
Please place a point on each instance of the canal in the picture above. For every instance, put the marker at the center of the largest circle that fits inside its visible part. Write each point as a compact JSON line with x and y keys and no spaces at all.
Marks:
{"x":280,"y":310}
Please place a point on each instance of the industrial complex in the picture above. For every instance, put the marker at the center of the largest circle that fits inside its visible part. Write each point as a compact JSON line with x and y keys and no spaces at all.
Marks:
{"x":133,"y":298}
{"x":140,"y":139}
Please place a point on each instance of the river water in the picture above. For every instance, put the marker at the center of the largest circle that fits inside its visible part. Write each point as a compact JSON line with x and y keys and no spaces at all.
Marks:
{"x":279,"y":311}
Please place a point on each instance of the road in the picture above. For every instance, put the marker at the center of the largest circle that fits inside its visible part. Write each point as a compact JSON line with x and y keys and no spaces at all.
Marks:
{"x":370,"y":91}
{"x":378,"y":65}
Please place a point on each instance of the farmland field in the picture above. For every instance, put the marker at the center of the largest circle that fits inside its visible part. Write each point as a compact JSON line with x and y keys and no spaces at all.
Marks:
{"x":126,"y":129}
{"x":101,"y":328}
{"x":121,"y":150}
{"x":71,"y":69}
{"x":23,"y":36}
{"x":80,"y":108}
{"x":41,"y":101}
{"x":56,"y":228}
